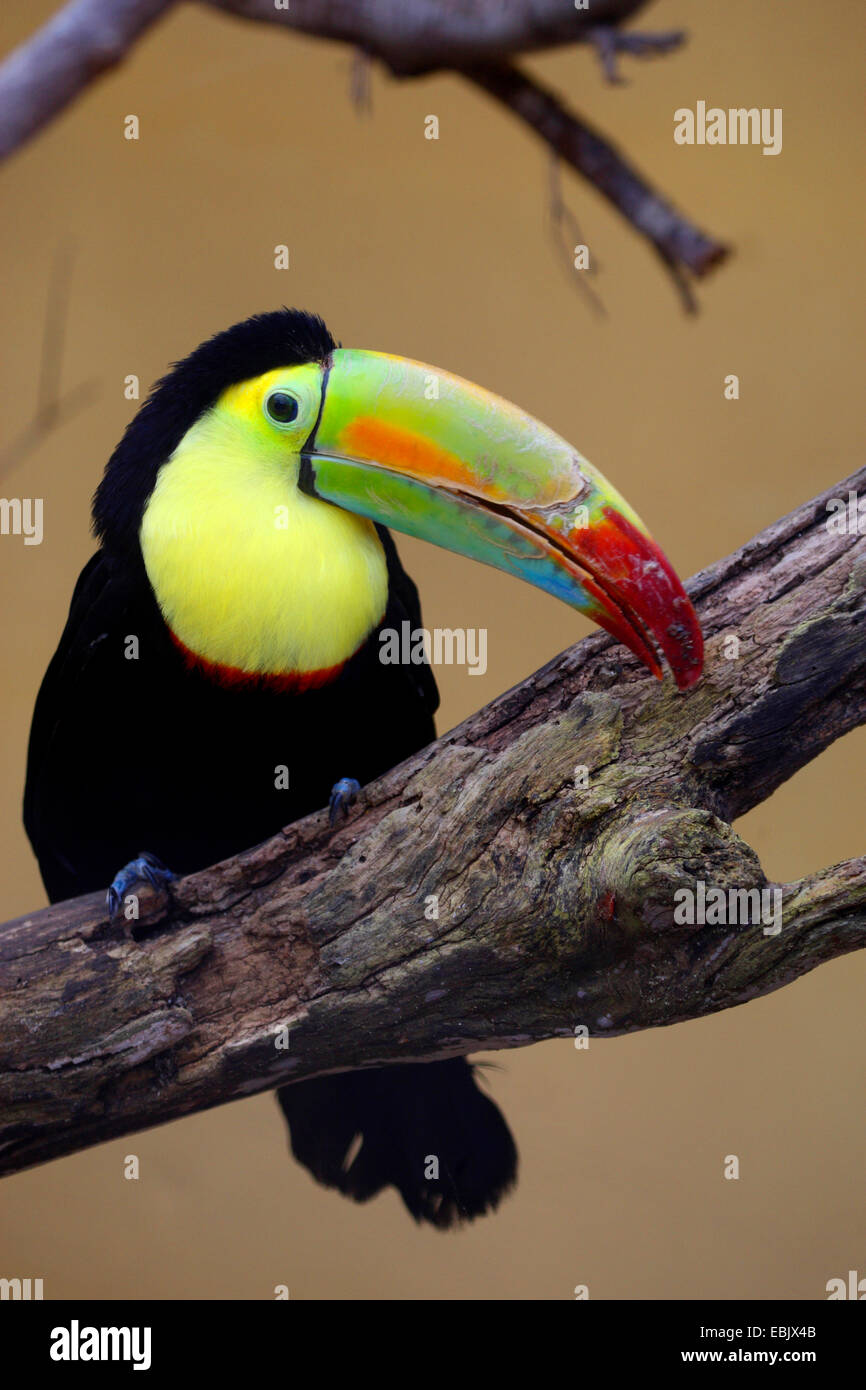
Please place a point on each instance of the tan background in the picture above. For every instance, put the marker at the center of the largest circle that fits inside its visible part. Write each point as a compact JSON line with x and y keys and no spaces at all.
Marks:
{"x":440,"y":251}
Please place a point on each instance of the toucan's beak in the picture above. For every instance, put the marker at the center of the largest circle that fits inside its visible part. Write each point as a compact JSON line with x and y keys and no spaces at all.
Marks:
{"x":432,"y":455}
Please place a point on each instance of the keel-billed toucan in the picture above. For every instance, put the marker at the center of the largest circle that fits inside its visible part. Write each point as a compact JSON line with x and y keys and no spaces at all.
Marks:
{"x":229,"y":624}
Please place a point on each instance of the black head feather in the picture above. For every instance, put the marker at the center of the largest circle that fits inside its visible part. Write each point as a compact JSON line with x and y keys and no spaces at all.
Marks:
{"x":283,"y":338}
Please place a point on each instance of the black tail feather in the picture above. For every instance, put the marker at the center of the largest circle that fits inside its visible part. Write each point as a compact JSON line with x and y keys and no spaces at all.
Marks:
{"x":423,"y":1127}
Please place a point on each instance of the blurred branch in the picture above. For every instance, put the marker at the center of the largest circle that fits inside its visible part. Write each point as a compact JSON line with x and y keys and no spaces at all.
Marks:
{"x":568,"y":236}
{"x":609,"y":42}
{"x":555,"y":896}
{"x":48,"y":71}
{"x":412,"y":38}
{"x":679,"y":244}
{"x":53,"y":406}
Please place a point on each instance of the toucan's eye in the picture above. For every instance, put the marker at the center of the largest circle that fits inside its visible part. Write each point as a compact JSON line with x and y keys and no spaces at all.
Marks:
{"x":281,"y":407}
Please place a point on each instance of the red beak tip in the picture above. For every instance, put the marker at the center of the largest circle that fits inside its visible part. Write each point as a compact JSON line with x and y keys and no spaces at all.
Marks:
{"x":686,"y":679}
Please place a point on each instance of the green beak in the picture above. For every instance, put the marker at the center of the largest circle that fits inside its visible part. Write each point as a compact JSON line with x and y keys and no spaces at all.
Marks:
{"x":429,"y":454}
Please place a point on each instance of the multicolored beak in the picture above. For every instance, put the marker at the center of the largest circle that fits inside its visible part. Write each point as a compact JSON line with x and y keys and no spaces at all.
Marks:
{"x":431,"y":455}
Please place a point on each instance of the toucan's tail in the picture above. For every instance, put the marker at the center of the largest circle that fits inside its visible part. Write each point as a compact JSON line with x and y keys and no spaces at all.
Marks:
{"x":423,"y":1127}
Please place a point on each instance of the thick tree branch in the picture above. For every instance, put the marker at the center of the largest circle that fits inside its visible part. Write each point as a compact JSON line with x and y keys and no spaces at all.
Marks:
{"x":511,"y":882}
{"x":475,"y":38}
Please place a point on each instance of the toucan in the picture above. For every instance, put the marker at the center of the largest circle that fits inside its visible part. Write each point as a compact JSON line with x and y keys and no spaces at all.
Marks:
{"x":230,"y":623}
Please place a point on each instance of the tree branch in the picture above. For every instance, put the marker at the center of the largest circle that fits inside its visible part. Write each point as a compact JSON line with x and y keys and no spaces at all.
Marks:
{"x":678,"y":243}
{"x":415,"y":37}
{"x":82,"y":41}
{"x":554,"y":894}
{"x":411,"y":38}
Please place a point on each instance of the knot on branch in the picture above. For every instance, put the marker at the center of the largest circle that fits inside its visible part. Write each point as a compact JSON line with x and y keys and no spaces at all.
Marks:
{"x":638,"y":865}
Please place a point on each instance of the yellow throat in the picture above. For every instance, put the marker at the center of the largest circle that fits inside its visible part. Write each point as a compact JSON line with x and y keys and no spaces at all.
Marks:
{"x":252,"y":575}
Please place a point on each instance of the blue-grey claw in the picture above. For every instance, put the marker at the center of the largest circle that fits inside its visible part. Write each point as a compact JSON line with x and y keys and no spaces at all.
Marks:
{"x":145,"y":869}
{"x":343,"y":795}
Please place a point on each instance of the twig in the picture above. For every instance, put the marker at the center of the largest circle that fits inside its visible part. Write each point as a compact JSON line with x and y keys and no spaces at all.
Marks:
{"x":681,"y":246}
{"x":609,"y":43}
{"x":567,"y":235}
{"x":53,"y":407}
{"x":360,"y":84}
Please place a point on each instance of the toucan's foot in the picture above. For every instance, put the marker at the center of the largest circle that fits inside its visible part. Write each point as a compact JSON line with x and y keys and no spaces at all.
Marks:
{"x":343,"y":795}
{"x":145,"y":869}
{"x":609,"y":42}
